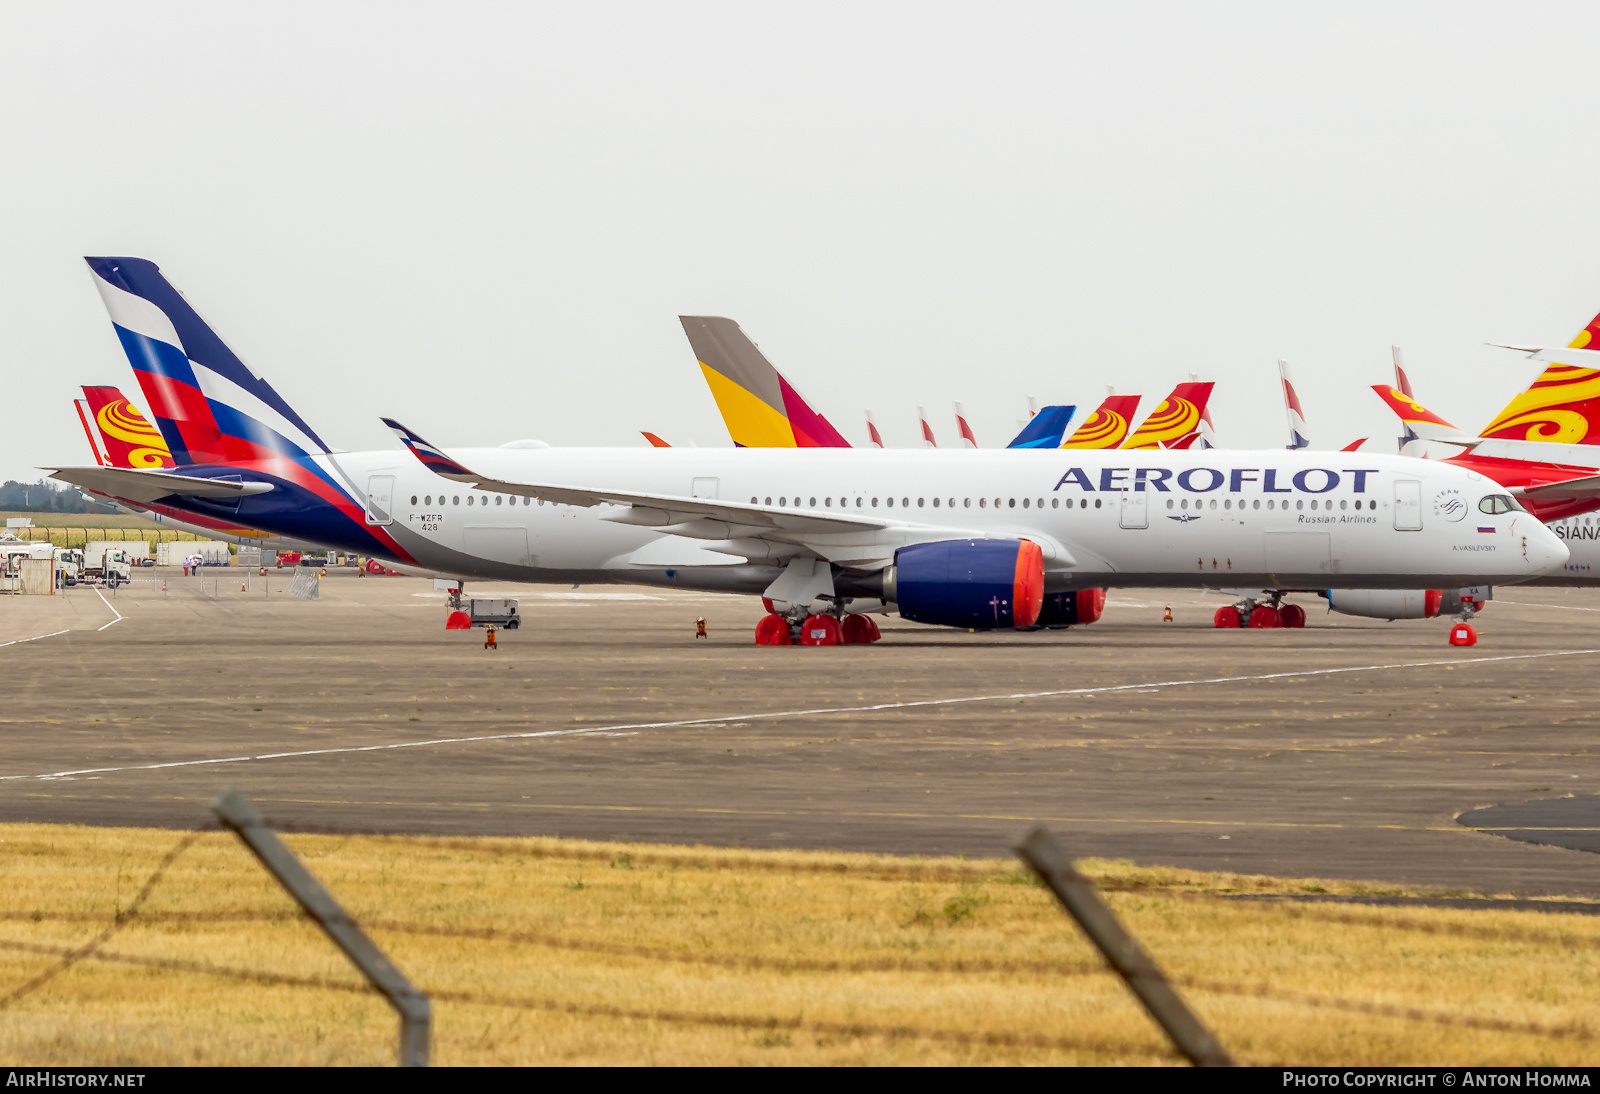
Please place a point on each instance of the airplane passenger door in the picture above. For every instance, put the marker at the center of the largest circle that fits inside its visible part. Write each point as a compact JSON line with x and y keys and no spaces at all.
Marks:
{"x":705,"y":488}
{"x":380,"y":494}
{"x":1408,"y":505}
{"x":1135,"y":512}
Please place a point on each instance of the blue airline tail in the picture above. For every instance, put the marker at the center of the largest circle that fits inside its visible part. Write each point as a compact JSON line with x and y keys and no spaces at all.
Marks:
{"x":1046,"y":429}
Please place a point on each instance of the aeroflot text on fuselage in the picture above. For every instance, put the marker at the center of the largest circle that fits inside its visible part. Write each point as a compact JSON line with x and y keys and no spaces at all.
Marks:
{"x":1263,"y":479}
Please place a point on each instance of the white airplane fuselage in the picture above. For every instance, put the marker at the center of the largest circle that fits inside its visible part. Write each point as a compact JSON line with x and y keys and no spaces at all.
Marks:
{"x":1277,"y":518}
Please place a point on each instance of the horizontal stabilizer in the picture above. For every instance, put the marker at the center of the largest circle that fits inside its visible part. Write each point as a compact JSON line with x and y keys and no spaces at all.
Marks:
{"x":1423,"y":422}
{"x":144,"y":486}
{"x":1584,"y":486}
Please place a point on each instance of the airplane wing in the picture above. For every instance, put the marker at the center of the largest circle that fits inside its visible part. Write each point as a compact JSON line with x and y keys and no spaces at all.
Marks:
{"x":1420,"y":420}
{"x":1583,"y":486}
{"x":145,"y":486}
{"x":846,"y":538}
{"x":658,"y":509}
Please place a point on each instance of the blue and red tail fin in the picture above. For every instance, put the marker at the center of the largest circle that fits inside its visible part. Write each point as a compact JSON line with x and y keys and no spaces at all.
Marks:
{"x":209,"y":407}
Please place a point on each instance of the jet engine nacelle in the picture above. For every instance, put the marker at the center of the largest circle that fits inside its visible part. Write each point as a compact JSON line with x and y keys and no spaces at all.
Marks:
{"x":1386,"y":603}
{"x":981,"y":584}
{"x":1065,"y":609}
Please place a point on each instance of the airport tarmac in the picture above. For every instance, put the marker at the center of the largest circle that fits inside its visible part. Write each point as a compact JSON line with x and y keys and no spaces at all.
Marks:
{"x":1343,"y":750}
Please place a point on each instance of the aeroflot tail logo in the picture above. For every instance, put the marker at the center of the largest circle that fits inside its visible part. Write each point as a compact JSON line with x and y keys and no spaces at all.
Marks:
{"x":1203,"y":480}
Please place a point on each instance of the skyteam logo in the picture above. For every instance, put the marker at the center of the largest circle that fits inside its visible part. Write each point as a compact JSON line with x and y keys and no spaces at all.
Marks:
{"x":1449,"y":505}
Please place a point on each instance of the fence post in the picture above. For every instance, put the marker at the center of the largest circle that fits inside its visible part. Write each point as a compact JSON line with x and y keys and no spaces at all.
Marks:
{"x":412,"y":1006}
{"x":1121,"y":950}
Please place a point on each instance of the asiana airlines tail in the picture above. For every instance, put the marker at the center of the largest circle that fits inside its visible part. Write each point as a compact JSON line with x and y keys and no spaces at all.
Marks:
{"x":956,"y":537}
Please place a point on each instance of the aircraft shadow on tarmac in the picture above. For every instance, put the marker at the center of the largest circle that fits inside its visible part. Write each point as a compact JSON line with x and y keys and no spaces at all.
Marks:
{"x":1573,"y":823}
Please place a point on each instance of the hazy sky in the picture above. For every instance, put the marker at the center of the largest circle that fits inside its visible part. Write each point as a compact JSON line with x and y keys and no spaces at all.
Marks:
{"x":484,"y":219}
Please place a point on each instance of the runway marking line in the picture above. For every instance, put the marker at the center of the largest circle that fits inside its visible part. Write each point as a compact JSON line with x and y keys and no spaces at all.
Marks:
{"x":878,"y":814}
{"x":771,"y":715}
{"x":35,"y":638}
{"x":107,"y":603}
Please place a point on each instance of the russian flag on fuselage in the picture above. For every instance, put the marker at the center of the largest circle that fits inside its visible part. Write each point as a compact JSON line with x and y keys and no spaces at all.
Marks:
{"x":207,"y":404}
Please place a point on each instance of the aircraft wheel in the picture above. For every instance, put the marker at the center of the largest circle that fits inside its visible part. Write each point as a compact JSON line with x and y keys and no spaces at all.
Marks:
{"x":820,"y":630}
{"x":1226,"y":618}
{"x":458,"y":621}
{"x":773,"y":630}
{"x":1463,"y":634}
{"x":1293,"y":615}
{"x":1266,"y":615}
{"x":859,"y":630}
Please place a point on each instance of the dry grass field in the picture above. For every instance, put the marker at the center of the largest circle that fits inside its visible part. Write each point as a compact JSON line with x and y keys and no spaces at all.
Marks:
{"x":549,"y":951}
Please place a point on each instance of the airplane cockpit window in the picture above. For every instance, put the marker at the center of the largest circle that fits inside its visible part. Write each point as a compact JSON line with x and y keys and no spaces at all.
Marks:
{"x":1495,"y":504}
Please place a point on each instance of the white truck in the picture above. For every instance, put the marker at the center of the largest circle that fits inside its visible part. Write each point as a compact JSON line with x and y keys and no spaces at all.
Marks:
{"x":107,"y":560}
{"x":69,"y":566}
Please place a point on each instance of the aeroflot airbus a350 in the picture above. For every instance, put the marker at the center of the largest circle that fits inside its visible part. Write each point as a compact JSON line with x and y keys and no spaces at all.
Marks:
{"x":959,"y":537}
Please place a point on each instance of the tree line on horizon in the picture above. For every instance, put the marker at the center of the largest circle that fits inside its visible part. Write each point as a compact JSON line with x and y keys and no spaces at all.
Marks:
{"x":45,"y":496}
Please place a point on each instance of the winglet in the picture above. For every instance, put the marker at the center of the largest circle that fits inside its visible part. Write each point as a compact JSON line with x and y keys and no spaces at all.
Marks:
{"x":655,"y":442}
{"x":431,"y":457}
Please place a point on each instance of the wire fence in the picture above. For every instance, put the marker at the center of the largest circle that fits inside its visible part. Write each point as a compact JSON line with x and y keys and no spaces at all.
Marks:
{"x":66,"y":956}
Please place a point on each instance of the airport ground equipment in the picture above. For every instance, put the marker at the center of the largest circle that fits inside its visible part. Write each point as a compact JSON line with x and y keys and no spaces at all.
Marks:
{"x":416,"y":1013}
{"x":107,"y":562}
{"x":493,"y":613}
{"x":1121,"y":950}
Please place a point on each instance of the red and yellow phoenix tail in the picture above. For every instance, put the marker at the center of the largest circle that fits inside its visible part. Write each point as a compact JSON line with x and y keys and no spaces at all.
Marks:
{"x":1563,"y":405}
{"x":1107,"y":427}
{"x":1176,"y":422}
{"x":122,"y":436}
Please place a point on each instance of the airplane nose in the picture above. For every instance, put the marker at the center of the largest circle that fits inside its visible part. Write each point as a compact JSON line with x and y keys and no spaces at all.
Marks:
{"x":1545,"y":551}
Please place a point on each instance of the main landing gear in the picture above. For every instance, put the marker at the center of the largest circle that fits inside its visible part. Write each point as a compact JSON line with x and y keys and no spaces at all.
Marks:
{"x":1257,"y":614}
{"x":795,"y":629}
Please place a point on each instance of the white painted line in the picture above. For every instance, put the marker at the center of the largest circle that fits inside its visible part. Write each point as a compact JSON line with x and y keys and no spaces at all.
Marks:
{"x":724,"y":718}
{"x":1533,"y":604}
{"x":35,"y":638}
{"x":107,"y":603}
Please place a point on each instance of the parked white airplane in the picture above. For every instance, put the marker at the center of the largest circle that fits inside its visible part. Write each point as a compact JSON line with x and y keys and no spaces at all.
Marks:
{"x":965,"y":538}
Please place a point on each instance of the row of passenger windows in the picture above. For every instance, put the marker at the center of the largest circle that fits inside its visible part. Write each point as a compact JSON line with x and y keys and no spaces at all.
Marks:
{"x":1300,"y":503}
{"x":1055,"y":503}
{"x":427,"y":499}
{"x":905,"y":503}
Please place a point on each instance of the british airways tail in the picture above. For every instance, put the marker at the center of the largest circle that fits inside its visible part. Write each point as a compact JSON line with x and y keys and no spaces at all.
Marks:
{"x":1045,"y":429}
{"x":209,"y":407}
{"x":1298,"y":434}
